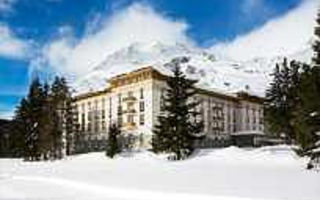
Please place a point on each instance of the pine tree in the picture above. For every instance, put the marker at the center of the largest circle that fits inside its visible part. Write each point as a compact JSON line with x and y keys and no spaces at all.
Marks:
{"x":45,"y":125}
{"x":272,"y":103}
{"x":28,"y":120}
{"x":311,"y":99}
{"x":45,"y":118}
{"x":23,"y":127}
{"x":282,"y":99}
{"x":61,"y":116}
{"x":178,"y":128}
{"x":316,"y":46}
{"x":113,"y":146}
{"x":303,"y":119}
{"x":16,"y":138}
{"x":314,"y":85}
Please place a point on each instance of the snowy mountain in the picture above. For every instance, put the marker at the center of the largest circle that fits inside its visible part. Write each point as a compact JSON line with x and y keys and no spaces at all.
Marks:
{"x":213,"y":73}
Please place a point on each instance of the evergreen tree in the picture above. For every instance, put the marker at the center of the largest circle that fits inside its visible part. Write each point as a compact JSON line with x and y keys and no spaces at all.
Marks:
{"x":28,"y":120}
{"x":303,"y":118}
{"x":316,"y":46}
{"x":272,"y":103}
{"x":35,"y":100}
{"x":113,"y":146}
{"x":45,"y":125}
{"x":311,"y":99}
{"x":42,"y":118}
{"x":293,"y":100}
{"x":282,"y":99}
{"x":23,"y":128}
{"x":178,"y":128}
{"x":16,"y":138}
{"x":314,"y":80}
{"x":62,"y":117}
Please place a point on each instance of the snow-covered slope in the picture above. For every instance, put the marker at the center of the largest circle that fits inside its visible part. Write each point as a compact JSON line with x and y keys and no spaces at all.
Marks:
{"x":213,"y":73}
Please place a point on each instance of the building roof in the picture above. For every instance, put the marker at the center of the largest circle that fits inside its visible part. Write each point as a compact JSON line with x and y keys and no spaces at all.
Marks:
{"x":91,"y":94}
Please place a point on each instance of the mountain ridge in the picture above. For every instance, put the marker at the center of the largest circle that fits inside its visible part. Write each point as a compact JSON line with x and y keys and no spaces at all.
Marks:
{"x":214,"y":73}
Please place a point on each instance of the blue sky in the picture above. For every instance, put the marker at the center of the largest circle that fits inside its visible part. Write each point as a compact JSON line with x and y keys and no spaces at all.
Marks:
{"x":33,"y":33}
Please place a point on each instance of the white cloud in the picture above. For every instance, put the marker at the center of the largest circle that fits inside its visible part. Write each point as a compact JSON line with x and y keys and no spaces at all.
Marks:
{"x":137,"y":23}
{"x":10,"y":45}
{"x":140,"y":23}
{"x":250,"y":5}
{"x":280,"y":36}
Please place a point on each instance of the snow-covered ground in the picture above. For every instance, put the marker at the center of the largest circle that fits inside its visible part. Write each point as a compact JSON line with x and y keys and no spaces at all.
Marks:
{"x":217,"y":174}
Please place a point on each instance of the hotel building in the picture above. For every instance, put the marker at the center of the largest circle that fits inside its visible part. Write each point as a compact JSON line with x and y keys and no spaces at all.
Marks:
{"x":134,"y":101}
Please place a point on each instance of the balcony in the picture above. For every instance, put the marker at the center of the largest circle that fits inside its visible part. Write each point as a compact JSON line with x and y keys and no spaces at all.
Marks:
{"x":129,"y":99}
{"x":130,"y":125}
{"x":129,"y":111}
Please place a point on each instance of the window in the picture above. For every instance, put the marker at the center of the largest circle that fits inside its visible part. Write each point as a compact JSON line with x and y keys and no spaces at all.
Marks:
{"x":223,"y":128}
{"x":229,"y":114}
{"x":119,"y":99}
{"x":89,"y":105}
{"x":130,"y":93}
{"x":103,"y":104}
{"x":82,"y":122}
{"x":261,"y":117}
{"x":141,"y":93}
{"x":75,"y":108}
{"x":89,"y":116}
{"x":119,"y":116}
{"x":119,"y":110}
{"x":162,"y":99}
{"x":202,"y":114}
{"x":130,"y":106}
{"x":142,"y":119}
{"x":82,"y":107}
{"x":247,"y":114}
{"x":141,"y":105}
{"x":230,"y":128}
{"x":96,"y":127}
{"x":96,"y":104}
{"x":120,"y":121}
{"x":96,"y":115}
{"x":89,"y":127}
{"x":130,"y":119}
{"x":103,"y":116}
{"x":110,"y":108}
